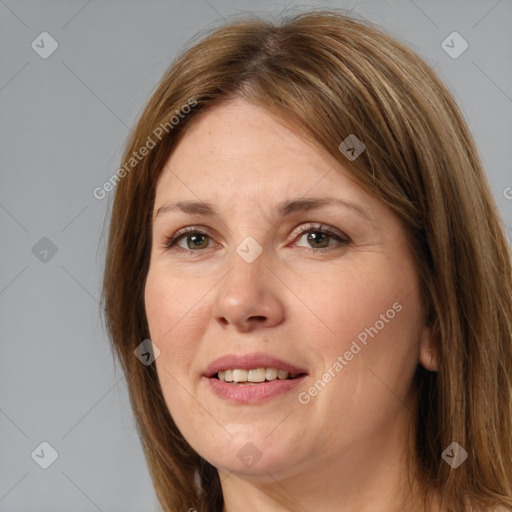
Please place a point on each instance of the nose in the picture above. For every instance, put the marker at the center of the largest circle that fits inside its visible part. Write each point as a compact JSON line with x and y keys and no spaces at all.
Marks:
{"x":249,"y":297}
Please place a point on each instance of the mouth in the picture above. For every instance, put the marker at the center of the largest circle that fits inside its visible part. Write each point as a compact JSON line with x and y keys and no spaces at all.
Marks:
{"x":239,"y":376}
{"x":252,"y":378}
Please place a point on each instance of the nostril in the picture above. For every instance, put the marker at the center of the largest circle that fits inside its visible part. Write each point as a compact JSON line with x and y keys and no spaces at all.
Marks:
{"x":262,"y":318}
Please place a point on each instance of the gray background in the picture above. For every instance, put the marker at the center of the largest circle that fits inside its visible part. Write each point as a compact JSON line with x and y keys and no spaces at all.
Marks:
{"x":63,"y":123}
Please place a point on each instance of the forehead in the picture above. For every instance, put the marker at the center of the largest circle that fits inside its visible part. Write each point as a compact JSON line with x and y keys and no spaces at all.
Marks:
{"x":238,"y":149}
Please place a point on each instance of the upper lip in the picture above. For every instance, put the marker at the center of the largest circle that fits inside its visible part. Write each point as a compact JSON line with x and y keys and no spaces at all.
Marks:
{"x":248,"y":362}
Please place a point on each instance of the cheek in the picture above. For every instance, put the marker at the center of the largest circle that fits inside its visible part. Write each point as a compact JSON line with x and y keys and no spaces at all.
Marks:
{"x":375,"y":349}
{"x":369,"y":358}
{"x":364,"y":303}
{"x":175,"y":316}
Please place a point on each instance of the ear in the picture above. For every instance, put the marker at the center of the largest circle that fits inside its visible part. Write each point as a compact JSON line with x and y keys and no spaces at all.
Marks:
{"x":429,"y":358}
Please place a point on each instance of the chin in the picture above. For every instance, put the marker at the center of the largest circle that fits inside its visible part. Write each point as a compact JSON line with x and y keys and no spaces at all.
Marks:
{"x":253,"y":458}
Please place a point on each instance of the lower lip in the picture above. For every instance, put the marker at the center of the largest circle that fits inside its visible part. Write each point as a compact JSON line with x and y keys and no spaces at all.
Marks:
{"x":252,"y":393}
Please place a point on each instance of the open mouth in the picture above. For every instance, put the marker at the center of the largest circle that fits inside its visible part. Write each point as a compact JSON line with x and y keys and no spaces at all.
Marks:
{"x":252,"y":378}
{"x":239,"y":376}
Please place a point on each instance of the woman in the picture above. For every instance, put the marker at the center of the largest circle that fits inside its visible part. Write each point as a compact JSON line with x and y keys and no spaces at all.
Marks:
{"x":303,"y":229}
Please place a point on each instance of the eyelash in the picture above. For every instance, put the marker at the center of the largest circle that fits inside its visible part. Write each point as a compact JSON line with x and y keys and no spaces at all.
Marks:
{"x":170,"y":243}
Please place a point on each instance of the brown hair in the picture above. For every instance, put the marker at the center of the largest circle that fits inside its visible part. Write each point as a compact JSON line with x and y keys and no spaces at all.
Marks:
{"x":333,"y":76}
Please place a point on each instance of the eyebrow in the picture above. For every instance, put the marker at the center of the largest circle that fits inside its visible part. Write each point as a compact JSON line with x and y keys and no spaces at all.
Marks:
{"x":283,"y":209}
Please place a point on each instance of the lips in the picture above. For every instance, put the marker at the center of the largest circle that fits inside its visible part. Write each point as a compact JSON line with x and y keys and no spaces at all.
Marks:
{"x":249,"y":362}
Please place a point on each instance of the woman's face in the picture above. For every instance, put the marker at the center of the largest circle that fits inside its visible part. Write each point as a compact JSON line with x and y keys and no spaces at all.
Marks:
{"x":290,"y":266}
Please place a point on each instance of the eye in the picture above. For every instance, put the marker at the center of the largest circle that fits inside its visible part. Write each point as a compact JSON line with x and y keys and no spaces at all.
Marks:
{"x":319,"y":237}
{"x":192,"y":237}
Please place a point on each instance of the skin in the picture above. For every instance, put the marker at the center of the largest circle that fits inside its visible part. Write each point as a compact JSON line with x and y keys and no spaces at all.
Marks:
{"x":343,"y":450}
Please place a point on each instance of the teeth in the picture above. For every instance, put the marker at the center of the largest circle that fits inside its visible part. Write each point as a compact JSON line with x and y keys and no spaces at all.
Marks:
{"x":255,"y":375}
{"x":239,"y":375}
{"x":271,"y":374}
{"x":282,"y":375}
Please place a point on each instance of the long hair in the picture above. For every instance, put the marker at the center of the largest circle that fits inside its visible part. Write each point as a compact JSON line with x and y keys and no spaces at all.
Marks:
{"x":334,"y":76}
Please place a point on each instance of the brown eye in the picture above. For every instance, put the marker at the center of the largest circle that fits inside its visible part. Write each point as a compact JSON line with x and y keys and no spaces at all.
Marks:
{"x":193,"y":240}
{"x":320,"y":238}
{"x":196,"y":241}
